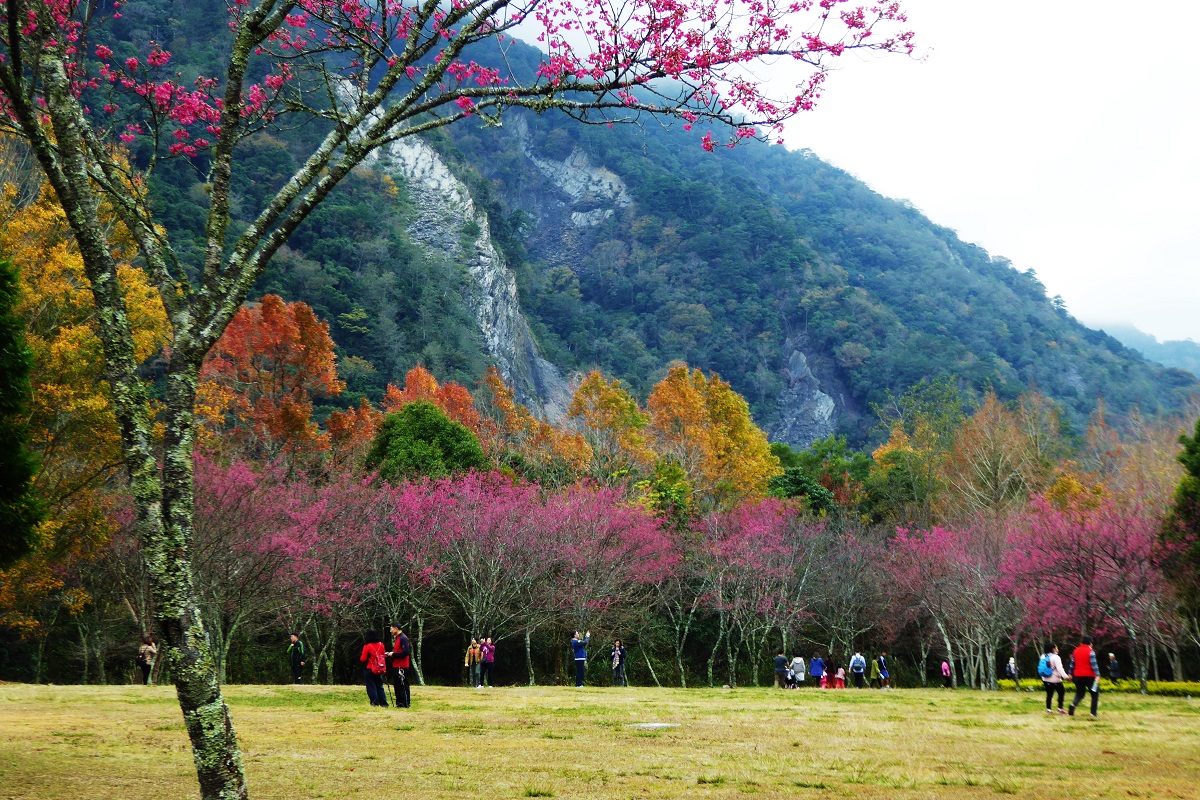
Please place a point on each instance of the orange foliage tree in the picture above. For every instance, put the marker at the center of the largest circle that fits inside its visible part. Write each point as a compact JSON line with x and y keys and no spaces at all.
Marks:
{"x":452,"y":398}
{"x":700,"y":423}
{"x":515,"y":438}
{"x":259,"y":380}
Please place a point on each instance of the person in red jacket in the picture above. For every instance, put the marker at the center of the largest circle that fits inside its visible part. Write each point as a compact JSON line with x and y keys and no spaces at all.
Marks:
{"x":1086,"y":674}
{"x":374,"y":666}
{"x":399,"y":661}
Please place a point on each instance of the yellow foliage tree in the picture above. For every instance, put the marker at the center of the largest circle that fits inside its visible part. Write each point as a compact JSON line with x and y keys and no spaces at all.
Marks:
{"x":72,"y":425}
{"x":514,"y":437}
{"x":614,"y":428}
{"x":700,"y":423}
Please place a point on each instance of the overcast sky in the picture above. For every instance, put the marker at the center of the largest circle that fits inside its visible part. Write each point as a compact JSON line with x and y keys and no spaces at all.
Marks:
{"x":1062,"y":134}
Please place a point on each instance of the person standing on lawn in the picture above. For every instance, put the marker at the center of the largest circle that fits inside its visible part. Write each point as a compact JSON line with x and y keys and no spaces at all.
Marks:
{"x":1050,"y":670}
{"x":858,"y":668}
{"x":297,"y":657}
{"x":618,"y":663}
{"x":1114,"y":668}
{"x":488,"y":654}
{"x":472,"y":661}
{"x":374,"y":667}
{"x":798,"y":670}
{"x":816,"y":668}
{"x":1086,"y":674}
{"x":398,"y":665}
{"x":579,"y":651}
{"x":1012,"y":673}
{"x":875,"y":680}
{"x":147,"y":655}
{"x":885,"y":674}
{"x":781,"y":668}
{"x":947,"y":682}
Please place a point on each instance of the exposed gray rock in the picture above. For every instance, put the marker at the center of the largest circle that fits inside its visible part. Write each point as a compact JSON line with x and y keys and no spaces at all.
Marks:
{"x":446,"y":213}
{"x":806,"y":414}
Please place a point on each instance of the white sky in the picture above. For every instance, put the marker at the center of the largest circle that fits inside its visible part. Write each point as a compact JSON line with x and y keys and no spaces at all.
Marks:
{"x":1062,"y":134}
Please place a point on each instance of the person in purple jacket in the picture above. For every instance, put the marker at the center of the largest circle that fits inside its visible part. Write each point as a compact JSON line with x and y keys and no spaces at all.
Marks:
{"x":488,"y":677}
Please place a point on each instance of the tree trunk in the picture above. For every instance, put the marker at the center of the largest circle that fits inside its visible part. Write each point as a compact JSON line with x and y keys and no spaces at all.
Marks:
{"x":529,"y":657}
{"x":924,"y":647}
{"x":83,"y":645}
{"x":419,"y":649}
{"x":712,"y":657}
{"x":1154,"y":660}
{"x":649,"y":666}
{"x":949,"y":654}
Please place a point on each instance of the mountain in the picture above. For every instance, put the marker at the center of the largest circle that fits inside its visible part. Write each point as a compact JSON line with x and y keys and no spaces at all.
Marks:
{"x":547,"y":247}
{"x":1177,"y":353}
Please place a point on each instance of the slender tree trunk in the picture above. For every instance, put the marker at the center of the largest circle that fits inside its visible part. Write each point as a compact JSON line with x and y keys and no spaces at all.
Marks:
{"x":420,"y":649}
{"x":924,"y":648}
{"x":949,"y":654}
{"x":1154,"y":660}
{"x":649,"y":666}
{"x":712,"y":656}
{"x":529,"y":656}
{"x":83,"y":645}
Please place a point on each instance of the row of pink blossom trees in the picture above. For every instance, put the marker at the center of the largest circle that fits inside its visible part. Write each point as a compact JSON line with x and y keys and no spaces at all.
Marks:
{"x":487,"y":556}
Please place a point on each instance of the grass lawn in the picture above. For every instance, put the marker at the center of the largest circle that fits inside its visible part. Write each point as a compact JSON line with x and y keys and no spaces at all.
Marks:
{"x":79,"y":742}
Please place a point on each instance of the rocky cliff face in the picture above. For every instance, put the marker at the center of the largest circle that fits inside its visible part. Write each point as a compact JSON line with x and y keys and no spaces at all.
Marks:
{"x":448,"y":222}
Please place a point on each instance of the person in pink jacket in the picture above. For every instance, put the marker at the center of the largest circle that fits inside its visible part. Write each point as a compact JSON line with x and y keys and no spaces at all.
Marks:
{"x":1050,"y":670}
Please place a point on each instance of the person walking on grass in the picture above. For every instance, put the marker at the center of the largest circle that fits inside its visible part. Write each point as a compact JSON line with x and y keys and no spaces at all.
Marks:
{"x":798,"y":670}
{"x":875,"y":680}
{"x":487,"y":652}
{"x":618,"y":663}
{"x":839,"y":678}
{"x":1114,"y":668}
{"x":947,"y":680}
{"x":1012,"y":673}
{"x":297,"y":657}
{"x":1086,"y":674}
{"x":885,"y":673}
{"x":579,"y":651}
{"x":399,"y":661}
{"x":147,"y":655}
{"x":374,"y":666}
{"x":816,"y":668}
{"x":472,"y":661}
{"x":858,"y":668}
{"x":1050,"y":670}
{"x":781,"y":668}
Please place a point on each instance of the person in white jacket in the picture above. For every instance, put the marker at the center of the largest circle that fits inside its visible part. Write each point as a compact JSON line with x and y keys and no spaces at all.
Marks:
{"x":797,"y":668}
{"x":1053,"y":682}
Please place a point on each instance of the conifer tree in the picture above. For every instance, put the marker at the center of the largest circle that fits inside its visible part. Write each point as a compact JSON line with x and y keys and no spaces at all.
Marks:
{"x":19,"y":509}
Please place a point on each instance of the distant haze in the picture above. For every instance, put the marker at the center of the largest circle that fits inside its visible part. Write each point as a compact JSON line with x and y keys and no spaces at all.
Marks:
{"x":1062,"y":134}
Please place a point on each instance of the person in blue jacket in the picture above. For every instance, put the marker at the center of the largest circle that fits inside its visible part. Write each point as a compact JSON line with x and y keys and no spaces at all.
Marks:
{"x":816,"y":668}
{"x":579,"y":647}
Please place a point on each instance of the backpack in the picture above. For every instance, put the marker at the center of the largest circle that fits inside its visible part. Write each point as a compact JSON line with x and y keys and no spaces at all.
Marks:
{"x":1044,"y":668}
{"x":376,"y":662}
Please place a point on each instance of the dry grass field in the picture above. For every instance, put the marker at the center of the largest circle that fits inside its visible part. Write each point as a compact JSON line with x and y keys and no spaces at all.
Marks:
{"x":315,"y":741}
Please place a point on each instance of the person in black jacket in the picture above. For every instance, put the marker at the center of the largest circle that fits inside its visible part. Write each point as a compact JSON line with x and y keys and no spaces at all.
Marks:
{"x":399,"y":663}
{"x":1114,"y":668}
{"x":618,"y":663}
{"x":297,"y":658}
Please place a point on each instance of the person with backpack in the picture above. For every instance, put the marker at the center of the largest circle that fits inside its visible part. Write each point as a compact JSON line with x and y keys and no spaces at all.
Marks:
{"x":374,"y":667}
{"x":147,"y":655}
{"x":579,"y":651}
{"x":399,"y":661}
{"x":1012,"y":673}
{"x":297,"y":657}
{"x":618,"y":663}
{"x":1050,"y":670}
{"x":1086,"y":674}
{"x":487,"y":652}
{"x":472,"y":661}
{"x":858,"y":668}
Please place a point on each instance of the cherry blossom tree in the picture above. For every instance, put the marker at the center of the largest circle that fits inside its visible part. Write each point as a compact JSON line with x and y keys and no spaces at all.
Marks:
{"x":1090,"y":566}
{"x":368,"y":74}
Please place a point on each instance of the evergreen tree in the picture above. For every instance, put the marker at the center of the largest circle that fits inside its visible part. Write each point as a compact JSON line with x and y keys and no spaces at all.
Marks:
{"x":19,"y":509}
{"x":421,"y":441}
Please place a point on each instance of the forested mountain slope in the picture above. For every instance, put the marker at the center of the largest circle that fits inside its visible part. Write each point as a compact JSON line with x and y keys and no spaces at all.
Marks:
{"x":542,"y":244}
